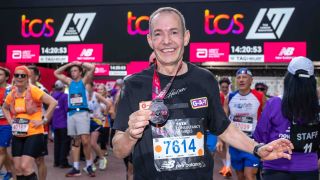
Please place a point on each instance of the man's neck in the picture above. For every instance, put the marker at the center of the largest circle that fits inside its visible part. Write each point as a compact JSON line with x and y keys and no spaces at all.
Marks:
{"x":171,"y":70}
{"x":244,"y":92}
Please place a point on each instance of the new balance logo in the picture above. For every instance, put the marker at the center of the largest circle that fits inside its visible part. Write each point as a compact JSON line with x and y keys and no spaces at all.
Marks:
{"x":286,"y":51}
{"x":75,"y":27}
{"x":270,"y":23}
{"x":86,"y":52}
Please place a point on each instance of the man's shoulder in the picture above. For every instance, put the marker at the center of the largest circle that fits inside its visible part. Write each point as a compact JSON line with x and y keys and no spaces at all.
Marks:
{"x":139,"y":77}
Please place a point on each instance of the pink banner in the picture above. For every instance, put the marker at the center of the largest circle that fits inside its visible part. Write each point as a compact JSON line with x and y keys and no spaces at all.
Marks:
{"x":136,"y":66}
{"x":102,"y":70}
{"x":85,"y":52}
{"x":23,"y":53}
{"x":283,"y":52}
{"x":204,"y":52}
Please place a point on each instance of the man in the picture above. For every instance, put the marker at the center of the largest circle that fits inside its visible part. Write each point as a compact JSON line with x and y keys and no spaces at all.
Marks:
{"x":5,"y":128}
{"x":175,"y":149}
{"x":34,"y":79}
{"x":260,"y":86}
{"x":59,"y":124}
{"x":78,"y":117}
{"x":244,"y":107}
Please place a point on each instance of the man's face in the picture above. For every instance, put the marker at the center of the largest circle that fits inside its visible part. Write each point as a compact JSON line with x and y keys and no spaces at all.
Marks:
{"x":3,"y":77}
{"x":33,"y":77}
{"x":243,"y":81}
{"x":261,"y":88}
{"x":224,"y":88}
{"x":75,"y":72}
{"x":168,"y":38}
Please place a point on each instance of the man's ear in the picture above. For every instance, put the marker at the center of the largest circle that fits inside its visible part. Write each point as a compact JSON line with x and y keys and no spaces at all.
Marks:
{"x":186,"y":38}
{"x":149,"y":40}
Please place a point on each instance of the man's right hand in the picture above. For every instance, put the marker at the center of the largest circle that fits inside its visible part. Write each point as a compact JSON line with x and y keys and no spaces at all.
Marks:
{"x":137,"y":122}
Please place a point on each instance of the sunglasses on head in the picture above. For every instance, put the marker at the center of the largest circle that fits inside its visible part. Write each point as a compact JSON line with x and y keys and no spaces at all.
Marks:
{"x":20,"y":75}
{"x":260,"y":89}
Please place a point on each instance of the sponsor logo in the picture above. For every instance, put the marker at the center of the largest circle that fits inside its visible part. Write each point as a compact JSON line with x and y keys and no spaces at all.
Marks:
{"x":199,"y":103}
{"x":134,"y":24}
{"x":36,"y":27}
{"x":23,"y":53}
{"x":85,"y":52}
{"x":283,"y":52}
{"x":75,"y":27}
{"x":202,"y":52}
{"x":168,"y":164}
{"x":218,"y":22}
{"x":270,"y":23}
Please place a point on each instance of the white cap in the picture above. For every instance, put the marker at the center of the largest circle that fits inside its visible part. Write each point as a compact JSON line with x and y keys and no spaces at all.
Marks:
{"x":58,"y":84}
{"x":301,"y":63}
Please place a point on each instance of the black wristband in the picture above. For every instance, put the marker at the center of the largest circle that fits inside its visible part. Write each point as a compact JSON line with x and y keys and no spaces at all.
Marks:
{"x":255,"y":150}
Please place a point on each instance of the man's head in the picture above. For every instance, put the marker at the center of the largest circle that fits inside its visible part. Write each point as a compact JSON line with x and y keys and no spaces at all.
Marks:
{"x":224,"y":85}
{"x":260,"y":86}
{"x":4,"y":75}
{"x":75,"y":72}
{"x":59,"y":86}
{"x":168,"y":35}
{"x":243,"y":79}
{"x":34,"y":74}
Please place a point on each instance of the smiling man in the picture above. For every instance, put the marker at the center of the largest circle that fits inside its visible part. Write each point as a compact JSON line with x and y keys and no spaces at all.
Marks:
{"x":165,"y":134}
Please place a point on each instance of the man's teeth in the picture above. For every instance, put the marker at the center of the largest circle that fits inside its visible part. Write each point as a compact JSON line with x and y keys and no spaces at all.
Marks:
{"x":168,"y":50}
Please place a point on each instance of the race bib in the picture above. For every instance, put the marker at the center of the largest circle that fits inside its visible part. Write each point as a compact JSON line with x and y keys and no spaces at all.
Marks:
{"x":20,"y":126}
{"x":305,"y":138}
{"x":244,"y":123}
{"x":76,"y":99}
{"x":179,"y":145}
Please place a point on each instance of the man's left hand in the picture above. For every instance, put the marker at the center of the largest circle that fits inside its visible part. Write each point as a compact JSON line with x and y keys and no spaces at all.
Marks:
{"x":280,"y":148}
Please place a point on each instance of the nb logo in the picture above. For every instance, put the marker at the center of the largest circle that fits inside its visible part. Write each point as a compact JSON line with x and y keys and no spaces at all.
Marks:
{"x":75,"y":27}
{"x":287,"y":51}
{"x":86,"y":52}
{"x":270,"y":23}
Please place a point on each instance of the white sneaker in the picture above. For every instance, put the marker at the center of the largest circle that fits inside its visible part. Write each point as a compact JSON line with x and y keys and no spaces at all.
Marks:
{"x":103,"y":163}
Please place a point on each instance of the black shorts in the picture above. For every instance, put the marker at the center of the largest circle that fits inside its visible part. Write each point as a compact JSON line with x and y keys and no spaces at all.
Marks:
{"x":45,"y":138}
{"x":281,"y":175}
{"x":31,"y":146}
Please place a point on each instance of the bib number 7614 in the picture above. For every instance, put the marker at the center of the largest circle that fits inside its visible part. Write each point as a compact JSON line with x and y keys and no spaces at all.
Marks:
{"x":186,"y":146}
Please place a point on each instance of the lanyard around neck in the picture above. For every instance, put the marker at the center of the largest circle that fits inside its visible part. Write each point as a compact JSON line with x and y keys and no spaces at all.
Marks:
{"x":157,"y":93}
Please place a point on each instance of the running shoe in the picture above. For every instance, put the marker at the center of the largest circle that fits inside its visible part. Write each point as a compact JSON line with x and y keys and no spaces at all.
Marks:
{"x":89,"y":171}
{"x":103,"y":163}
{"x":227,"y":172}
{"x":73,"y":173}
{"x":8,"y":176}
{"x":222,"y":170}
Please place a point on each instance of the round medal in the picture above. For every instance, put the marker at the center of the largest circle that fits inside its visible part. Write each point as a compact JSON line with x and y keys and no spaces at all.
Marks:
{"x":160,"y":112}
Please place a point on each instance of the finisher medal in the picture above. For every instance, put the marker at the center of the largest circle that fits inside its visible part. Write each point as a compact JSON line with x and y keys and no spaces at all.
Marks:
{"x":160,"y":112}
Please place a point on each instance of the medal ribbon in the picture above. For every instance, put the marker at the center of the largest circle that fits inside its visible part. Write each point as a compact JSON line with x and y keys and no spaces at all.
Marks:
{"x":157,"y":93}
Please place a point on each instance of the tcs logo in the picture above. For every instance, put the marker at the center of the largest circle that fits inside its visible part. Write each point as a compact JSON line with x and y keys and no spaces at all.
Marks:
{"x":134,"y":24}
{"x":36,"y":27}
{"x":235,"y":25}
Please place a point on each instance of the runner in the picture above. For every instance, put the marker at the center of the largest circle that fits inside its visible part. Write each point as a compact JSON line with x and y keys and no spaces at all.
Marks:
{"x":78,"y":116}
{"x":97,"y":105}
{"x":244,"y":107}
{"x":23,"y":110}
{"x":166,"y":136}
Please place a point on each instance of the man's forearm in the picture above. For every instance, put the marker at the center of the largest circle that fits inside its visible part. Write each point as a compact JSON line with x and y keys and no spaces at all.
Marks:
{"x":123,"y":144}
{"x":238,"y":139}
{"x":61,"y":69}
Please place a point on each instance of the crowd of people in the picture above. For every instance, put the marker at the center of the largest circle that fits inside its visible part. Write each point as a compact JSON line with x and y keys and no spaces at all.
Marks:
{"x":169,"y":121}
